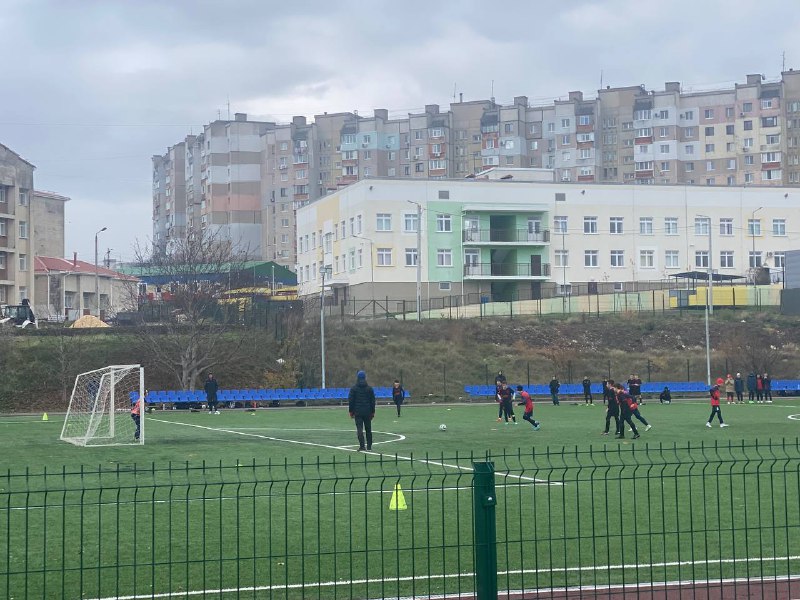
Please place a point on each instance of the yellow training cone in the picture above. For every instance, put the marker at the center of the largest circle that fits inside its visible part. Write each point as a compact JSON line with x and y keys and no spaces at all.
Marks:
{"x":44,"y":417}
{"x":398,"y":501}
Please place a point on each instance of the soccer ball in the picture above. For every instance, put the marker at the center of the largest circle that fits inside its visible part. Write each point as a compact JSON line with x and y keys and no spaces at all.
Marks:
{"x":442,"y":427}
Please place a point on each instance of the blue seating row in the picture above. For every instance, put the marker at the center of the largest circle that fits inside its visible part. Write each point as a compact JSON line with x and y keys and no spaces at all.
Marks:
{"x":653,"y":387}
{"x":257,"y":395}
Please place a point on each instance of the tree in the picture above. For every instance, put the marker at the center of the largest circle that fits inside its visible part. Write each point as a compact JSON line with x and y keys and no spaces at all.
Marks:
{"x":197,"y":334}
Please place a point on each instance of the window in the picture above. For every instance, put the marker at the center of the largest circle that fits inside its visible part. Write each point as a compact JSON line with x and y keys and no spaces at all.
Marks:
{"x":728,"y":112}
{"x":590,"y":258}
{"x":664,"y":166}
{"x":384,"y":257}
{"x":709,"y":147}
{"x":749,"y":160}
{"x":726,"y":259}
{"x":561,"y":258}
{"x":689,"y":115}
{"x":564,"y":123}
{"x":689,"y":167}
{"x":663,"y":148}
{"x":2,"y":260}
{"x":643,"y":114}
{"x":778,"y":226}
{"x":663,"y":132}
{"x":646,"y":225}
{"x":731,"y":164}
{"x":443,"y":223}
{"x":3,"y":200}
{"x":753,"y":227}
{"x":708,"y":113}
{"x":755,"y":259}
{"x":688,"y":149}
{"x":383,"y":222}
{"x":728,"y":129}
{"x":617,"y":258}
{"x":444,"y":257}
{"x":749,"y":178}
{"x":644,"y":132}
{"x":583,"y":153}
{"x":709,"y":131}
{"x":584,"y":120}
{"x":589,"y":224}
{"x":23,"y":230}
{"x":780,"y":260}
{"x":726,"y":226}
{"x":769,"y":121}
{"x":284,"y":222}
{"x":747,"y":107}
{"x":709,"y":165}
{"x":508,"y":128}
{"x":748,"y":125}
{"x":419,"y":168}
{"x":437,"y":165}
{"x":701,"y":259}
{"x":671,"y":225}
{"x":671,"y":259}
{"x":702,"y":225}
{"x":23,"y":196}
{"x":411,"y":257}
{"x":559,"y":224}
{"x":774,"y":139}
{"x":647,"y":259}
{"x":23,"y":262}
{"x":565,"y":140}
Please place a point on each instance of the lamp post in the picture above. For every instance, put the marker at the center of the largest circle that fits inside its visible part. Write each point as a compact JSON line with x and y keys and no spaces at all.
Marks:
{"x":96,"y":277}
{"x":323,"y":271}
{"x":753,"y":229}
{"x":371,"y":266}
{"x":419,"y":259}
{"x":709,"y":301}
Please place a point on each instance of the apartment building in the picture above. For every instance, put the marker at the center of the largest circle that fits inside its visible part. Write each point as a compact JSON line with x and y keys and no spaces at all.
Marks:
{"x":745,"y":135}
{"x":16,"y":231}
{"x":47,"y":215}
{"x":530,"y":239}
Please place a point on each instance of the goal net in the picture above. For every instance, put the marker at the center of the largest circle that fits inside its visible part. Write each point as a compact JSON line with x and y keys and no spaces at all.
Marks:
{"x":106,"y":407}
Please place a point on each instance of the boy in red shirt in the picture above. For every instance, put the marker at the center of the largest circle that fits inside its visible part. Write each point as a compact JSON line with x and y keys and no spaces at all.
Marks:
{"x":528,"y":402}
{"x":715,"y":408}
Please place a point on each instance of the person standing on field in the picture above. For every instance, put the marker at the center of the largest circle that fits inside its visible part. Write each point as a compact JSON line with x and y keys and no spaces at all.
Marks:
{"x":587,"y":390}
{"x":738,"y":387}
{"x":612,"y":410}
{"x":626,"y":403}
{"x":506,"y":396}
{"x":361,"y":404}
{"x":555,"y":385}
{"x":398,"y":395}
{"x":751,"y":388}
{"x":136,"y":415}
{"x":528,"y":402}
{"x":715,"y":408}
{"x":767,"y":383}
{"x":499,"y":380}
{"x":211,"y":386}
{"x":729,"y":388}
{"x":759,"y":389}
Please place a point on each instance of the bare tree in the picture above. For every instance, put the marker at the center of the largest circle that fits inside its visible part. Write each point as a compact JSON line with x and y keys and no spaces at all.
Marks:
{"x":197,"y":334}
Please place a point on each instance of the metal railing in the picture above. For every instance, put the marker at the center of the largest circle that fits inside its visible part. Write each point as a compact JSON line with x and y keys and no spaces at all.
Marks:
{"x":666,"y":519}
{"x":516,"y":236}
{"x":506,"y":270}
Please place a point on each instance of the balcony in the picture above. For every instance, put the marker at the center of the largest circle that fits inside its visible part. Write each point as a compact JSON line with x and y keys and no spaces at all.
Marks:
{"x":509,"y":271}
{"x":514,"y":237}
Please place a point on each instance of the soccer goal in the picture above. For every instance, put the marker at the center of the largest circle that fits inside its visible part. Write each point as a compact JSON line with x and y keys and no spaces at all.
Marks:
{"x":106,"y":407}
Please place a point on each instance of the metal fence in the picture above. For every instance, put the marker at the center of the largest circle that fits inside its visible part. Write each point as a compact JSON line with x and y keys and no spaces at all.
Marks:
{"x":681,"y":521}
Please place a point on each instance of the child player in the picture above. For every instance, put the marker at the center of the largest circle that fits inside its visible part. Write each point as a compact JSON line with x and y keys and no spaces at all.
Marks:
{"x":506,"y":395}
{"x":528,"y":402}
{"x":626,"y":404}
{"x":715,"y":408}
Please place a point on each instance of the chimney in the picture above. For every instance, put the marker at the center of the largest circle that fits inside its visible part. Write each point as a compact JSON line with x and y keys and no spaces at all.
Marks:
{"x":673,"y":86}
{"x":381,"y":113}
{"x":460,"y":96}
{"x":75,"y":260}
{"x":240,"y":116}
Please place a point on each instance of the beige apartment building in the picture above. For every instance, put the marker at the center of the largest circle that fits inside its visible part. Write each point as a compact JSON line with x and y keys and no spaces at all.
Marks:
{"x":745,"y":135}
{"x":16,"y":232}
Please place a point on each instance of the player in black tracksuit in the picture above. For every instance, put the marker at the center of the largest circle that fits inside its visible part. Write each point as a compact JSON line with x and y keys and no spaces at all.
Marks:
{"x":626,"y":404}
{"x":612,"y":409}
{"x":506,"y":395}
{"x":361,"y":404}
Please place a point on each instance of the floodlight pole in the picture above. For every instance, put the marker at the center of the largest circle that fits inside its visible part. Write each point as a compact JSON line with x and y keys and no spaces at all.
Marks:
{"x":96,"y":277}
{"x":323,"y":271}
{"x":709,"y":305}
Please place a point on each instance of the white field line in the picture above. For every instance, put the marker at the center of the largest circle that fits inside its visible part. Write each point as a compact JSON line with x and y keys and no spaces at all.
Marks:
{"x":352,"y":449}
{"x":599,"y":568}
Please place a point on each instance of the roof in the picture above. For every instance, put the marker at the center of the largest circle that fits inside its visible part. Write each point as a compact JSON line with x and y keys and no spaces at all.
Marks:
{"x":703,"y":276}
{"x":18,"y":156}
{"x":50,"y":195}
{"x":50,"y":264}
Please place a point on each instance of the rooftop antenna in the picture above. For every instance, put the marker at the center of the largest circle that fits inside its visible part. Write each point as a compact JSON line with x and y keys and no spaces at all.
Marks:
{"x":601,"y":79}
{"x":455,"y":85}
{"x":783,"y":61}
{"x":492,"y":96}
{"x":229,"y":107}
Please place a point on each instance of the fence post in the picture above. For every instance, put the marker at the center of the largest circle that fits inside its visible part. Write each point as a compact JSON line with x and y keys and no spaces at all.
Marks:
{"x":484,"y":502}
{"x":688,"y":371}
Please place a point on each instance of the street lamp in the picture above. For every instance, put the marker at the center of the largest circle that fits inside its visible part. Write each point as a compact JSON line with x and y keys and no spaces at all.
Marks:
{"x":419,"y":258}
{"x":96,"y":277}
{"x":371,"y":265}
{"x":753,"y":229}
{"x":323,"y":271}
{"x":709,"y":301}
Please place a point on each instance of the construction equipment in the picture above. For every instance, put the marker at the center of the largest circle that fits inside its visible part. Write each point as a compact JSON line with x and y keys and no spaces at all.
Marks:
{"x":20,"y":315}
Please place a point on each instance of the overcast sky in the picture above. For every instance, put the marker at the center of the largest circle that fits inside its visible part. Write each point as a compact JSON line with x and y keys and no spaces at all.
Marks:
{"x":91,"y":90}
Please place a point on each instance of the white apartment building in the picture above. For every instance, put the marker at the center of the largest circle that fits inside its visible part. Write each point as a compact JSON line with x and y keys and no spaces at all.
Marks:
{"x":520,"y":239}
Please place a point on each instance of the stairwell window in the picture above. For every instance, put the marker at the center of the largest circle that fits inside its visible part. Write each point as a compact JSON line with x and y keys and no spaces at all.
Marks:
{"x":23,"y":230}
{"x":444,"y":223}
{"x":444,"y":257}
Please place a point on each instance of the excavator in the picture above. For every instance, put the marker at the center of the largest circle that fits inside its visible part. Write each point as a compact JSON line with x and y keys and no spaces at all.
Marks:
{"x":20,"y":315}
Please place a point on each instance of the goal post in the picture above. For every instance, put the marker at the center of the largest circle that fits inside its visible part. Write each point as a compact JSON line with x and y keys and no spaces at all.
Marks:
{"x":106,"y":407}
